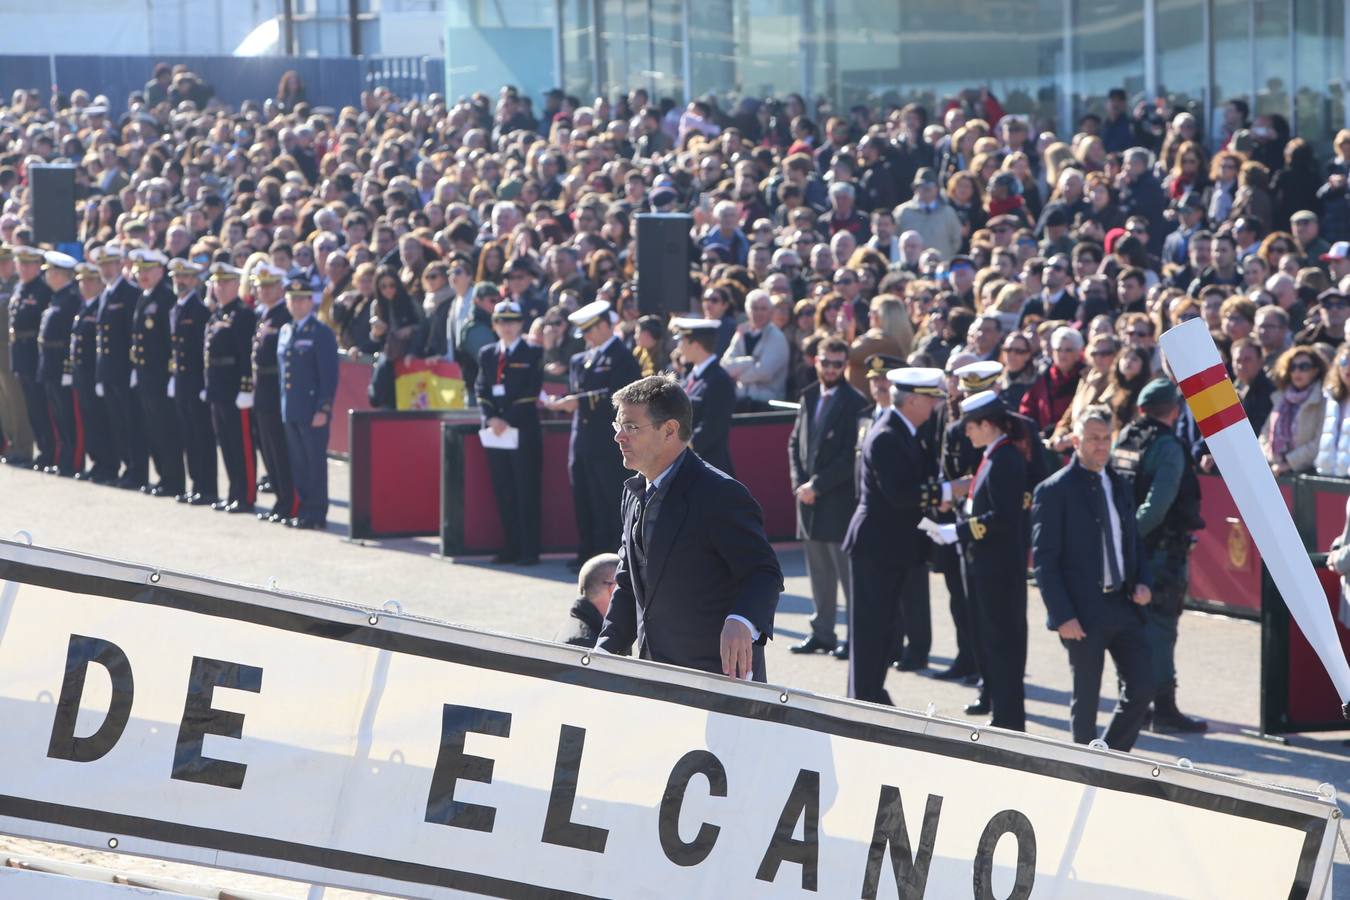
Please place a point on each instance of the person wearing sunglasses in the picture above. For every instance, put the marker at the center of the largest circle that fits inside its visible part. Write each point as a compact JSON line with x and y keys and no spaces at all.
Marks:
{"x":1290,"y":436}
{"x":1328,"y":325}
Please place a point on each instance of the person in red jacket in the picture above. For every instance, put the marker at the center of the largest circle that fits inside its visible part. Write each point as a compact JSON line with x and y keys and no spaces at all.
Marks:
{"x":1052,"y":391}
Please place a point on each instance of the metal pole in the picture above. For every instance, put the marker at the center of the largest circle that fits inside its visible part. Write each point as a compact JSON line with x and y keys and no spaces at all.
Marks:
{"x":687,"y":51}
{"x":1066,"y":99}
{"x":1150,"y":49}
{"x":288,"y":26}
{"x":558,"y":46}
{"x":354,"y":25}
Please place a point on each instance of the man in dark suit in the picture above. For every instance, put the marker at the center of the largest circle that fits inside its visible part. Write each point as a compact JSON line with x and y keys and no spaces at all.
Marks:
{"x":595,"y":589}
{"x":54,"y":369}
{"x":697,"y":582}
{"x":711,"y":391}
{"x":1095,"y":580}
{"x":307,"y":357}
{"x":510,"y":376}
{"x":897,"y":487}
{"x":593,"y":461}
{"x":229,"y":386}
{"x":151,"y":352}
{"x":187,"y":386}
{"x":116,"y":307}
{"x":83,"y":364}
{"x":821,"y":453}
{"x":265,"y":399}
{"x":26,"y":306}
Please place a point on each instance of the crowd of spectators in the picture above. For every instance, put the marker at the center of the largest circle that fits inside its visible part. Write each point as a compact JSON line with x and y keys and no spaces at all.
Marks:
{"x":924,"y":234}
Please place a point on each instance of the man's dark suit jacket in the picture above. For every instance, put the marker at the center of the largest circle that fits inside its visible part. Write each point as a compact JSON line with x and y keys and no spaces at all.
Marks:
{"x":707,"y":558}
{"x":1066,"y":545}
{"x":895,"y":474}
{"x":583,"y":624}
{"x":713,"y":396}
{"x":826,"y":453}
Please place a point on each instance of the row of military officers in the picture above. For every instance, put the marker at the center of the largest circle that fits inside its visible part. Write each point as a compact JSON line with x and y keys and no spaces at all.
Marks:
{"x":130,"y":358}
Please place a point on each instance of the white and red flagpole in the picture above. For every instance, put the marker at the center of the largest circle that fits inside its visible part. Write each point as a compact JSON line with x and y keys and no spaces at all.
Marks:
{"x":1200,"y":373}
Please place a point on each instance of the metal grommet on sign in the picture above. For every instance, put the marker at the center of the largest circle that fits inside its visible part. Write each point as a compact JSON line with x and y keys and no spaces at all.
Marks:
{"x":154,"y":578}
{"x":974,"y":735}
{"x":374,"y":620}
{"x":1098,"y":744}
{"x":585,"y":659}
{"x":1156,"y":771}
{"x":783,"y":697}
{"x":112,"y":843}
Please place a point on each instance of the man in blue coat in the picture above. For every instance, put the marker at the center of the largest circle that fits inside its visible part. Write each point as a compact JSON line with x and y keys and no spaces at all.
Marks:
{"x":307,"y":355}
{"x":697,"y":583}
{"x":1095,"y":580}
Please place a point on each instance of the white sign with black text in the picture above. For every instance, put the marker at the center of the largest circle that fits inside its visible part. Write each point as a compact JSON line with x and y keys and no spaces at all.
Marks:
{"x":190,"y":719}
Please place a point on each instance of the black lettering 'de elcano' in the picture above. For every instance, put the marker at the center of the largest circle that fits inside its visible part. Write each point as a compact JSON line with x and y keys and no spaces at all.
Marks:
{"x":559,"y":828}
{"x":691,"y":853}
{"x":201,"y":719}
{"x":1009,"y":821}
{"x":80,"y":652}
{"x":910,"y":869}
{"x":803,"y":802}
{"x":453,"y":764}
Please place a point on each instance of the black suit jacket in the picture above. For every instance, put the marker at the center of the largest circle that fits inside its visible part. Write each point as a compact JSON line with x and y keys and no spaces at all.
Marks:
{"x":150,"y":338}
{"x":58,"y":319}
{"x":896,"y":481}
{"x":583,"y":625}
{"x":1066,"y":545}
{"x":825,"y":456}
{"x":116,"y":308}
{"x":713,"y":398}
{"x":708,"y":558}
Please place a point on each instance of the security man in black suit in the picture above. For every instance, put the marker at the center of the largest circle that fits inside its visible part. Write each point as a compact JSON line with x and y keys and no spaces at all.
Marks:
{"x":229,"y":385}
{"x":697,"y":582}
{"x":26,"y":307}
{"x":98,"y":443}
{"x":187,"y":323}
{"x":266,"y":398}
{"x":992,"y":531}
{"x":58,"y":379}
{"x":510,"y":376}
{"x":592,"y":458}
{"x":711,"y":391}
{"x":116,"y":308}
{"x":822,"y":451}
{"x":1095,"y":580}
{"x":151,"y":354}
{"x":898,"y":486}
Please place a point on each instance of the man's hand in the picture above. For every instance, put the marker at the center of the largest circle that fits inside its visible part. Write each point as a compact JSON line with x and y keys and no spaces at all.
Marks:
{"x":1142,"y":595}
{"x":320,"y":419}
{"x":1206,"y":463}
{"x":736,"y":649}
{"x":806,"y":494}
{"x":1072,"y":631}
{"x":497,"y":424}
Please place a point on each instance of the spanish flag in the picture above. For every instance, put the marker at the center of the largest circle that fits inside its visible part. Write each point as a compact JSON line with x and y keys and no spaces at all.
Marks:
{"x":1213,"y":400}
{"x":428,"y":384}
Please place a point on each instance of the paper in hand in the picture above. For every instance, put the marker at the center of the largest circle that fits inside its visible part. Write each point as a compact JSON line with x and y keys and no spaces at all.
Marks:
{"x":507,"y":440}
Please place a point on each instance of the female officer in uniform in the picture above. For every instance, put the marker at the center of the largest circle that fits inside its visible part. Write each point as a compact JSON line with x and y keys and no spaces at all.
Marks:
{"x":994,"y":534}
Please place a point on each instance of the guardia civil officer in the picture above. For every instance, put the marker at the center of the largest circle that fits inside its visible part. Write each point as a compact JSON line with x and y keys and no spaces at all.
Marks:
{"x":711,"y":391}
{"x":1149,"y":455}
{"x":898,"y":485}
{"x":187,"y":383}
{"x":1094,"y":578}
{"x":26,"y":306}
{"x":54,"y":370}
{"x":593,"y":459}
{"x":266,"y":398}
{"x":510,"y":376}
{"x":116,"y":309}
{"x":98,"y":443}
{"x":993,"y":532}
{"x":151,"y":352}
{"x":17,"y":432}
{"x":307,"y":354}
{"x":229,"y":386}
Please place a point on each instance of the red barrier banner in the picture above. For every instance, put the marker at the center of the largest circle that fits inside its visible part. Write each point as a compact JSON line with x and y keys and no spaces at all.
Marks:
{"x":353,"y":381}
{"x":1225,"y":566}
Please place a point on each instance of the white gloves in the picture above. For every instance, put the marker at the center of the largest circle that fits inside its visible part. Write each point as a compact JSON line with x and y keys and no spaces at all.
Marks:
{"x":133,"y":378}
{"x":170,"y":388}
{"x":98,"y":389}
{"x":67,"y":380}
{"x":201,"y":395}
{"x":244,"y":400}
{"x":939,"y":534}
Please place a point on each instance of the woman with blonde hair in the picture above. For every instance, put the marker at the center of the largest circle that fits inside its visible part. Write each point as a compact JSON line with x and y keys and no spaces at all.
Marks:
{"x":889,"y":332}
{"x":1333,"y":450}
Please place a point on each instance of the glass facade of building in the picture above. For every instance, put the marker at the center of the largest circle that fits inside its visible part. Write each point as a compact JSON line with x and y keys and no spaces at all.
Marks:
{"x":1052,"y":60}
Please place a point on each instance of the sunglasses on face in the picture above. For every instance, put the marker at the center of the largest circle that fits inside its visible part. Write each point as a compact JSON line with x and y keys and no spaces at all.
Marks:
{"x":1017,"y":351}
{"x":830,"y":363}
{"x":1302,"y":366}
{"x":1333,"y":304}
{"x":1103,"y":353}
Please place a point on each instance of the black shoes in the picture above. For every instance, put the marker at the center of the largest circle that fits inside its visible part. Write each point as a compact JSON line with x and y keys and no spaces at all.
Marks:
{"x":980,"y":707}
{"x":840,"y":651}
{"x":813,"y":644}
{"x":306,"y":525}
{"x":953,"y":674}
{"x":911,"y":665}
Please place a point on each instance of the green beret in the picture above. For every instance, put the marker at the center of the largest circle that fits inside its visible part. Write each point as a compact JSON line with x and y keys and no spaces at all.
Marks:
{"x":1159,"y":392}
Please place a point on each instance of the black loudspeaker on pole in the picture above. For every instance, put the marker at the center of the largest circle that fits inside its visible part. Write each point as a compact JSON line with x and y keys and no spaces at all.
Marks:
{"x":53,"y":198}
{"x":663,"y":262}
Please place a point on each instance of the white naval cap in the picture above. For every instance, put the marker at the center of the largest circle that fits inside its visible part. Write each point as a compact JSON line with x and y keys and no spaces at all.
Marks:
{"x":977,"y":376}
{"x":918,"y":380}
{"x":56,"y":260}
{"x":590,"y":315}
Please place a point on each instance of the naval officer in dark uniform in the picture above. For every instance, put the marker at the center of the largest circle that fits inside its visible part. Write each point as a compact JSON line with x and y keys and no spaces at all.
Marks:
{"x":510,"y":376}
{"x":697,"y":583}
{"x":265,"y":401}
{"x":898,"y":486}
{"x":58,"y":379}
{"x":116,"y":308}
{"x":993,"y":532}
{"x":26,"y":306}
{"x":307,"y":356}
{"x":98,"y":443}
{"x":151,"y":352}
{"x":711,"y":391}
{"x":229,"y":385}
{"x":593,"y":459}
{"x":187,"y":384}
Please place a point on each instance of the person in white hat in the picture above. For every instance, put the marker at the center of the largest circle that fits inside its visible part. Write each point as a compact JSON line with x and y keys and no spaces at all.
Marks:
{"x":54,"y":369}
{"x":26,"y":306}
{"x":16,"y":434}
{"x":265,"y":401}
{"x":711,"y":390}
{"x":187,"y":385}
{"x":229,"y":379}
{"x":117,"y":308}
{"x":898,"y":486}
{"x":593,"y":458}
{"x":84,"y":366}
{"x":151,"y":353}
